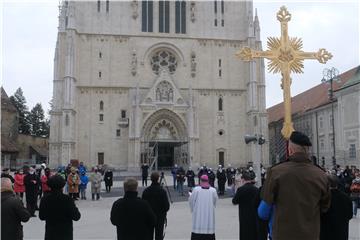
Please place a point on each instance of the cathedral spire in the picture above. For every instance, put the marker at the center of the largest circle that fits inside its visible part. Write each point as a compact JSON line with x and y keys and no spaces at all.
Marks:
{"x":256,"y":26}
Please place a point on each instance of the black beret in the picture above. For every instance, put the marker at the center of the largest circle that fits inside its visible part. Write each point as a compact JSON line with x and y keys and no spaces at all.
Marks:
{"x":56,"y":182}
{"x":300,"y":139}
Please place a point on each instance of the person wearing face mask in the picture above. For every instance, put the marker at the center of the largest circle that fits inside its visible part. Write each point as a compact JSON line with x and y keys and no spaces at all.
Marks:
{"x":31,"y":181}
{"x":19,"y":187}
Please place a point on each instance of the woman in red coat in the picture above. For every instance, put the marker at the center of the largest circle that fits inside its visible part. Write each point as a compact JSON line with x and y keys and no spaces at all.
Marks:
{"x":44,"y":179}
{"x":19,"y":187}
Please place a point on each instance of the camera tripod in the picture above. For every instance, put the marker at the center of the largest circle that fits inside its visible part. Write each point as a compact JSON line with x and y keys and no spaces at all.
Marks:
{"x":162,"y":183}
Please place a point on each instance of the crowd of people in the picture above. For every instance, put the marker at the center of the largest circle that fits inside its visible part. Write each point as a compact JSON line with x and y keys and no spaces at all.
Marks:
{"x":297,"y":200}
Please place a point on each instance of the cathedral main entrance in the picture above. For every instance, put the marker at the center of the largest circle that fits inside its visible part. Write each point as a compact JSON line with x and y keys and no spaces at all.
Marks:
{"x":164,"y":141}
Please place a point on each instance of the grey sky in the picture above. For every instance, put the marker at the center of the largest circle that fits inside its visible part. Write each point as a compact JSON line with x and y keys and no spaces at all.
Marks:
{"x":29,"y":30}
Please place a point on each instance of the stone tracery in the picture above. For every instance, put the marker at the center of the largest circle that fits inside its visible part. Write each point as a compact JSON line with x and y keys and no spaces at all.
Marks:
{"x":164,"y":92}
{"x":163,"y":59}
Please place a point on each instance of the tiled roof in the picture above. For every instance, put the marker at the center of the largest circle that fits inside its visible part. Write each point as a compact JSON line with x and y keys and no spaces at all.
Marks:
{"x":355,"y":79}
{"x":310,"y":99}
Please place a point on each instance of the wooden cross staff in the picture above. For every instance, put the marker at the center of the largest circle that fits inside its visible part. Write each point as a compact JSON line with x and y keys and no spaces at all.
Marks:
{"x":285,"y":56}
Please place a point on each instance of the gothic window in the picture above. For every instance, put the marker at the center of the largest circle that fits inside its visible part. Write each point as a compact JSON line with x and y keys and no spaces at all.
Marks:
{"x":67,"y":120}
{"x":101,"y":117}
{"x":164,"y":92}
{"x":215,"y":12}
{"x":107,"y":6}
{"x":100,"y":54}
{"x":101,"y":105}
{"x":99,"y":74}
{"x":221,"y":158}
{"x":118,"y":132}
{"x":66,"y":21}
{"x":147,"y":16}
{"x":164,"y":10}
{"x":220,"y":68}
{"x":222,"y":7}
{"x":98,"y":5}
{"x":180,"y":16}
{"x":220,"y":104}
{"x":123,"y":113}
{"x":163,"y":60}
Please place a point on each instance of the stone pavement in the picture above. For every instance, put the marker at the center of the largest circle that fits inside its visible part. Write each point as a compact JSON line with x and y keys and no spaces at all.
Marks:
{"x":95,"y":221}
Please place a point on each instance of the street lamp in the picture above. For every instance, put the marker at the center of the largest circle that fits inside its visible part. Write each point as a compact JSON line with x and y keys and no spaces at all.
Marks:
{"x":329,"y":76}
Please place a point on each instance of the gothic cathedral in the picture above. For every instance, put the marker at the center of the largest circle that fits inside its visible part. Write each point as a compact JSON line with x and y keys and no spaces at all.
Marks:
{"x":157,"y":82}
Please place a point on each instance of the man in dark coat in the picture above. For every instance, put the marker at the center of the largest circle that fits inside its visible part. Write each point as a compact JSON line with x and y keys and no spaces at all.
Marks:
{"x":335,"y":222}
{"x":156,"y":196}
{"x":180,"y":177}
{"x":230,"y":174}
{"x":212,"y":177}
{"x":133,"y":217}
{"x":299,"y":190}
{"x":246,"y":197}
{"x":13,"y":212}
{"x":59,"y":211}
{"x":31,"y":181}
{"x":144,"y":174}
{"x":108,"y":179}
{"x":221,"y":177}
{"x":190,"y":176}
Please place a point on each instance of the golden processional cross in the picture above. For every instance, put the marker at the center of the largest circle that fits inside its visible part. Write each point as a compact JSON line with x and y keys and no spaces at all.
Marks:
{"x":285,"y":56}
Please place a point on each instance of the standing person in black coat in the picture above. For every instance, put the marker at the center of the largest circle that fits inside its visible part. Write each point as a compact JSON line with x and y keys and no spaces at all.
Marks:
{"x":245,"y":197}
{"x":13,"y":212}
{"x":31,"y":181}
{"x":108,"y":178}
{"x":156,"y":196}
{"x":59,"y":211}
{"x":133,"y":217}
{"x":190,"y":176}
{"x":212,"y":177}
{"x":335,"y":222}
{"x":144,"y":174}
{"x":221,"y":177}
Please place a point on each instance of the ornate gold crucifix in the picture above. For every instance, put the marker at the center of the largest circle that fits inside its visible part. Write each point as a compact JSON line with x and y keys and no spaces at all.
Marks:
{"x":285,"y":56}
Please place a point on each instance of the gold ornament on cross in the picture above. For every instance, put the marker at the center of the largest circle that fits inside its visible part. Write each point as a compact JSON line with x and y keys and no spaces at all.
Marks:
{"x":285,"y":56}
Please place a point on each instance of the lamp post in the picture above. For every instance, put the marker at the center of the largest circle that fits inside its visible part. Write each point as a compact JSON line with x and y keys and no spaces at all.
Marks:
{"x":329,"y":76}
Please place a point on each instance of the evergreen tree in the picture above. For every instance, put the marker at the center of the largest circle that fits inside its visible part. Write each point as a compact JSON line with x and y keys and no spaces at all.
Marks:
{"x":19,"y":102}
{"x":37,"y":121}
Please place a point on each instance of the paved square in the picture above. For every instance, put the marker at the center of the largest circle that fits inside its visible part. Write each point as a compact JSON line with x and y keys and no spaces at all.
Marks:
{"x":95,"y":221}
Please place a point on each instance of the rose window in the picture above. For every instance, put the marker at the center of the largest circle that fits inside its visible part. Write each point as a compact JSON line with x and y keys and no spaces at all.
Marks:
{"x":163,"y":60}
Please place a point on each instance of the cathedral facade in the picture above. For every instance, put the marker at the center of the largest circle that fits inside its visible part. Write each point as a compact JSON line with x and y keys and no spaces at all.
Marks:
{"x":157,"y":82}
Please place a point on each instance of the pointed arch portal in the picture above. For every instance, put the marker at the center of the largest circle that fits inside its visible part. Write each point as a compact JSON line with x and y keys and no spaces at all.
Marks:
{"x":164,"y":140}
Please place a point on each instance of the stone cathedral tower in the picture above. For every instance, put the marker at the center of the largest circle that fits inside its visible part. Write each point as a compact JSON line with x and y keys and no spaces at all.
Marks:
{"x":157,"y":82}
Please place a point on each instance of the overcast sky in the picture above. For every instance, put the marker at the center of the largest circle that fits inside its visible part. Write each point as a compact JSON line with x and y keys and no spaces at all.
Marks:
{"x":29,"y":29}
